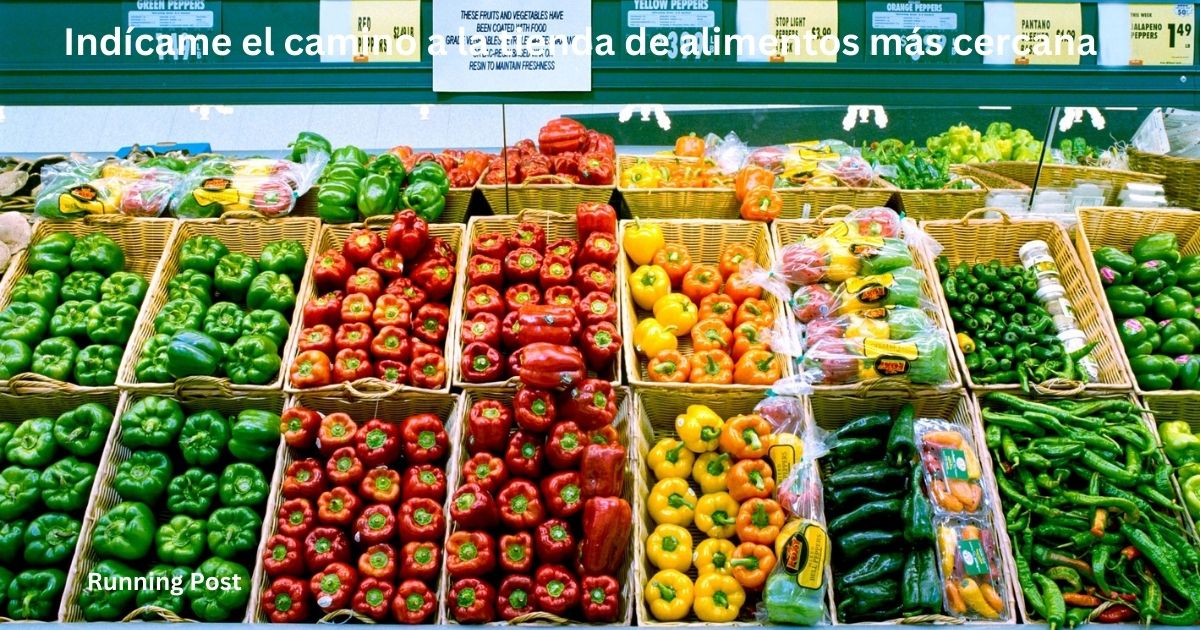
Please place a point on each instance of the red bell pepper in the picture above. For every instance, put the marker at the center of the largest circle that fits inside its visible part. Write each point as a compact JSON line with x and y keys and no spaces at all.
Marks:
{"x":565,"y":296}
{"x":599,"y":248}
{"x":593,"y":277}
{"x":485,"y":470}
{"x":523,"y":458}
{"x":472,"y":601}
{"x":431,"y":322}
{"x":391,"y":371}
{"x":485,"y":270}
{"x":600,"y":143}
{"x":508,"y":332}
{"x":555,"y":590}
{"x":420,"y":561}
{"x":381,"y":485}
{"x":351,"y":365}
{"x":519,"y":295}
{"x":528,"y":234}
{"x":516,"y":553}
{"x":604,"y":436}
{"x":391,"y":344}
{"x":303,"y":479}
{"x":424,"y":481}
{"x":353,"y":336}
{"x":522,"y":264}
{"x":555,"y":271}
{"x":481,"y":328}
{"x":391,"y":310}
{"x":520,"y":505}
{"x":473,"y":508}
{"x":286,"y":600}
{"x":424,"y":438}
{"x":387,"y":263}
{"x":310,"y":368}
{"x":282,"y":556}
{"x":481,"y":363}
{"x":414,"y":603}
{"x":319,"y":338}
{"x":595,"y":217}
{"x":543,"y":323}
{"x":550,"y":366}
{"x":337,"y":430}
{"x":553,"y":542}
{"x":565,"y":446}
{"x":438,"y":248}
{"x":332,"y":270}
{"x":483,"y":299}
{"x":596,"y":169}
{"x":566,"y":165}
{"x":597,"y":307}
{"x":360,"y":245}
{"x":408,"y":234}
{"x":376,"y":524}
{"x":566,"y":247}
{"x":490,"y":244}
{"x":516,"y":596}
{"x":366,"y":281}
{"x":601,"y":343}
{"x":435,"y":276}
{"x":324,"y":546}
{"x":421,"y":520}
{"x":379,"y":562}
{"x":601,"y":598}
{"x":324,"y":309}
{"x":607,"y":527}
{"x":488,"y":424}
{"x":404,"y":289}
{"x":534,"y":409}
{"x":373,"y":599}
{"x":377,"y":443}
{"x":344,"y":468}
{"x":337,"y":507}
{"x":296,"y":518}
{"x":428,"y":371}
{"x":470,"y":554}
{"x":602,"y":470}
{"x":333,"y":586}
{"x":562,"y":493}
{"x":591,"y":404}
{"x":420,"y":347}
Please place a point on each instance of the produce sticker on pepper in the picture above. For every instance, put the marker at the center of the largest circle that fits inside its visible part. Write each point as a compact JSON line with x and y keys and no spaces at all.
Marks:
{"x":954,"y":463}
{"x":973,"y":558}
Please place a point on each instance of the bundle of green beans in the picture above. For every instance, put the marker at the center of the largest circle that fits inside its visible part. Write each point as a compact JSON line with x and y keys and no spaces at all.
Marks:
{"x":1092,"y":539}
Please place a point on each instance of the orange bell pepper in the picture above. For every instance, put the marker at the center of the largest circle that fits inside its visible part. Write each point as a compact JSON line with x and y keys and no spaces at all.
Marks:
{"x":749,"y":336}
{"x":733,"y":257}
{"x":700,"y":281}
{"x":690,"y":145}
{"x":711,"y":367}
{"x":752,"y":563}
{"x":739,"y":289}
{"x":674,"y":259}
{"x":711,"y":334}
{"x":757,"y":367}
{"x":761,"y":204}
{"x":750,"y":479}
{"x":750,"y":178}
{"x":718,"y":306}
{"x":746,"y":436}
{"x":669,"y":366}
{"x":759,"y":521}
{"x":755,"y":310}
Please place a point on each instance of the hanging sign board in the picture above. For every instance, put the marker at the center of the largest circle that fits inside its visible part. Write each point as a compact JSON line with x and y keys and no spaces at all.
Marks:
{"x":161,"y":16}
{"x":1034,"y":33}
{"x":381,"y":31}
{"x":1147,"y":34}
{"x":806,"y":31}
{"x":888,"y":22}
{"x":673,"y":18}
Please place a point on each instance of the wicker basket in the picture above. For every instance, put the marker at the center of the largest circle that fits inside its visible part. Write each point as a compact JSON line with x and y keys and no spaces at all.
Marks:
{"x":144,"y":242}
{"x":241,"y":235}
{"x":808,"y":201}
{"x":105,"y":497}
{"x":332,"y":237}
{"x":675,"y":203}
{"x":1121,"y":228}
{"x":790,"y":231}
{"x":557,"y":226}
{"x":832,"y":411}
{"x":444,"y":406}
{"x":973,"y":240}
{"x":1182,"y":182}
{"x":932,"y":205}
{"x":705,"y":240}
{"x":1065,"y":176}
{"x":547,"y":192}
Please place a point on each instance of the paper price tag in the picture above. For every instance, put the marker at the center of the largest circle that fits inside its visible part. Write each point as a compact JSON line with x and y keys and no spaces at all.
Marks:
{"x":380,"y":25}
{"x":1037,"y":20}
{"x":790,"y":21}
{"x":1161,"y":34}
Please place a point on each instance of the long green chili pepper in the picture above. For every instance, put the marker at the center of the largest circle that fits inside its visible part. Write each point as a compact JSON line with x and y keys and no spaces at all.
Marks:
{"x":1033,"y":597}
{"x":1181,"y":546}
{"x":1046,"y":482}
{"x":1132,"y":513}
{"x":1157,"y":498}
{"x":1163,"y":562}
{"x":1056,"y":608}
{"x":1035,"y":461}
{"x":1096,"y":442}
{"x":1162,"y":478}
{"x":1133,"y":461}
{"x":1152,"y":598}
{"x":1027,"y":482}
{"x":1100,"y":556}
{"x":1048,"y":558}
{"x":1054,"y":531}
{"x":1008,"y":444}
{"x":1019,"y":424}
{"x":1108,"y":489}
{"x":1094,"y":483}
{"x":1187,"y":617}
{"x":1077,"y":616}
{"x":1109,"y":470}
{"x":1128,"y":434}
{"x":992,"y":436}
{"x":1046,"y":421}
{"x":1068,"y":576}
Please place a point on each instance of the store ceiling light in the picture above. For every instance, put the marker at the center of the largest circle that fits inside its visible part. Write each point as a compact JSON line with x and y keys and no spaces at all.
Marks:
{"x":647,"y":110}
{"x":1073,"y":115}
{"x":206,"y":110}
{"x":856,"y":114}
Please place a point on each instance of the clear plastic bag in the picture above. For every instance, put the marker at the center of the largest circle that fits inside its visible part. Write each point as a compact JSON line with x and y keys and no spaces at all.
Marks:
{"x":269,"y":187}
{"x":889,"y":322}
{"x":969,"y":563}
{"x":951,"y":468}
{"x":74,"y":188}
{"x":921,"y":359}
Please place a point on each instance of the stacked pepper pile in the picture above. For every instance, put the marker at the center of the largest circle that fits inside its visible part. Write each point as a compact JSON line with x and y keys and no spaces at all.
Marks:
{"x":1154,"y":293}
{"x":463,"y":168}
{"x":722,"y":313}
{"x":999,"y":142}
{"x":214,"y":519}
{"x":360,"y":329}
{"x":43,"y":493}
{"x":1182,"y":448}
{"x":75,"y":295}
{"x":576,"y":518}
{"x":726,"y":460}
{"x":362,"y":523}
{"x":566,"y":152}
{"x":355,"y":185}
{"x":558,"y":301}
{"x":256,"y":297}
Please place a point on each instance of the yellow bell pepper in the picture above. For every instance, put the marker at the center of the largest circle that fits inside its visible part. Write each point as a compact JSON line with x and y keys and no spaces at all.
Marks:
{"x":651,"y":338}
{"x":669,"y":459}
{"x":648,"y":284}
{"x":842,"y":263}
{"x":673,"y":502}
{"x":709,"y":471}
{"x":670,"y":547}
{"x":699,"y":428}
{"x":669,"y":595}
{"x":868,"y":328}
{"x":714,"y":555}
{"x":719,"y":598}
{"x":716,"y":515}
{"x":676,"y":310}
{"x":642,"y":241}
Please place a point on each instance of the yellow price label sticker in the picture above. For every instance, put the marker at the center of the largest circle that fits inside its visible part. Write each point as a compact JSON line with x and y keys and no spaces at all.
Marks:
{"x":1048,"y":22}
{"x":386,"y":31}
{"x":806,"y":31}
{"x":1161,"y":34}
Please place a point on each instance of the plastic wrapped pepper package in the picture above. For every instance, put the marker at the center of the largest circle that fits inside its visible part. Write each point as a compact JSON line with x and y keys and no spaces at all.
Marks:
{"x":267,"y":186}
{"x":76,"y":188}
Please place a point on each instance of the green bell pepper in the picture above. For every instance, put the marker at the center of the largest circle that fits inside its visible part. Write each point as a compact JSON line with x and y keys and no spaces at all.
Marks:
{"x":67,"y":484}
{"x":234,"y":274}
{"x":1189,"y":372}
{"x":15,"y":358}
{"x":268,"y":323}
{"x":124,"y":286}
{"x":151,"y":367}
{"x":347,"y":172}
{"x":32,"y":444}
{"x":242,"y":484}
{"x":12,"y":540}
{"x":40,"y":287}
{"x":192,"y":493}
{"x":253,"y":360}
{"x":309,"y":142}
{"x":1127,"y":301}
{"x":191,"y":283}
{"x":35,"y":594}
{"x":82,"y":285}
{"x":97,"y":365}
{"x":83,"y":430}
{"x":377,"y":195}
{"x":348,"y":153}
{"x":1188,"y":271}
{"x":223,"y":593}
{"x":50,"y":539}
{"x":70,"y":319}
{"x":125,"y":532}
{"x":6,"y":578}
{"x":233,"y":531}
{"x":143,"y":477}
{"x":391,"y":165}
{"x":55,"y":357}
{"x":271,"y":290}
{"x":1153,"y":276}
{"x":184,"y":313}
{"x":425,"y":198}
{"x":338,"y":193}
{"x":203,"y":438}
{"x":163,"y":597}
{"x":255,"y":436}
{"x":7,"y":430}
{"x":19,"y":491}
{"x":1154,"y":371}
{"x":111,"y":603}
{"x":192,"y":353}
{"x":181,"y":540}
{"x":1159,"y":246}
{"x":1180,"y":336}
{"x":1115,"y":259}
{"x":286,"y":257}
{"x":337,"y":214}
{"x":201,"y":253}
{"x":24,"y":321}
{"x":1174,"y":302}
{"x":431,"y":172}
{"x":223,"y":322}
{"x":153,"y":421}
{"x":1179,"y":443}
{"x":52,"y":253}
{"x":97,"y":252}
{"x":1134,"y":337}
{"x":111,"y":322}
